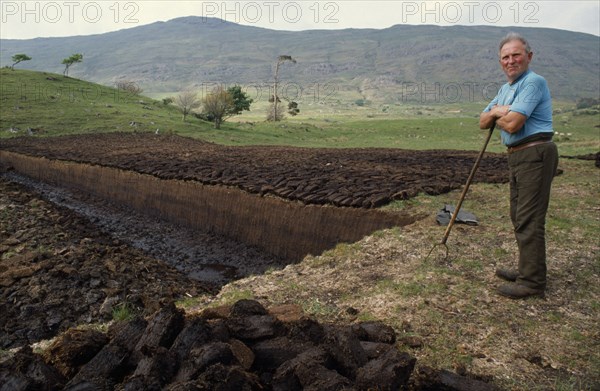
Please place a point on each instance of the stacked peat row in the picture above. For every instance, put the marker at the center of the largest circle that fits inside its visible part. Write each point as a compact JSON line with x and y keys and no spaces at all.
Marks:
{"x":364,"y":178}
{"x":591,"y":156}
{"x":243,"y":347}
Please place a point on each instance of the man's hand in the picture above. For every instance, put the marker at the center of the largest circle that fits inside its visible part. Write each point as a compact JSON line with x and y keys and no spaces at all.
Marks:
{"x":509,"y":121}
{"x":512,"y":122}
{"x":500,"y":111}
{"x":487,"y":119}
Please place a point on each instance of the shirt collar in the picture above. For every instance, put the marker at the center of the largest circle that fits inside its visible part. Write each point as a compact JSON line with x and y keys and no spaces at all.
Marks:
{"x":520,"y":77}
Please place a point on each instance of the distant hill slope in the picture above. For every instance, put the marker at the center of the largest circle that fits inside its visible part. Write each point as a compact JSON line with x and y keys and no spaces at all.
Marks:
{"x":388,"y":64}
{"x":48,"y":104}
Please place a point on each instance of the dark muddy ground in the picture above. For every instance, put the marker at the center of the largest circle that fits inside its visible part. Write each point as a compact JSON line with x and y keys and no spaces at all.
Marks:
{"x":61,"y":266}
{"x":209,"y":258}
{"x":342,"y":177}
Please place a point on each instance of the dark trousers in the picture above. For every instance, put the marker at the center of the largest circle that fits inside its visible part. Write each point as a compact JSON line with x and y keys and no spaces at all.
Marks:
{"x":531,"y":173}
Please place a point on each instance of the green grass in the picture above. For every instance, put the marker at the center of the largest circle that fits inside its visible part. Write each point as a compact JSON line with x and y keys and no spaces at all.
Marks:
{"x":316,"y":307}
{"x":366,"y":316}
{"x":123,"y":312}
{"x":52,"y":105}
{"x":56,"y":105}
{"x":236,"y":295}
{"x":419,"y":287}
{"x":190,"y":303}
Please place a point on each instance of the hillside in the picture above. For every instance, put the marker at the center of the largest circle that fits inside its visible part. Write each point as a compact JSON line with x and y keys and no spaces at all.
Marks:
{"x":48,"y":104}
{"x":387,"y":65}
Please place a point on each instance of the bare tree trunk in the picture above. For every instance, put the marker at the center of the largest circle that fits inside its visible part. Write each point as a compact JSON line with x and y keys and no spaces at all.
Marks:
{"x":280,"y":60}
{"x":275,"y":117}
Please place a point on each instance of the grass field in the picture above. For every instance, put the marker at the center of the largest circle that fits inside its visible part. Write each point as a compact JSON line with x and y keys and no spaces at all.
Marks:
{"x":51,"y":104}
{"x":450,"y":307}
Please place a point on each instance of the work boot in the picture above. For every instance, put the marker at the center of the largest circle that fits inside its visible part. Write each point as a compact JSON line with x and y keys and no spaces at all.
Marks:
{"x":518,"y":291}
{"x":507,"y":274}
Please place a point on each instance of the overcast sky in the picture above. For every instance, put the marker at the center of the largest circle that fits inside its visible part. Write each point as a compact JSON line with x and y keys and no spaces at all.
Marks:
{"x":30,"y":19}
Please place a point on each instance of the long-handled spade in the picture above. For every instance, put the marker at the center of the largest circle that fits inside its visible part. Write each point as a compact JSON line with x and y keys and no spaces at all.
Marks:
{"x":462,"y":196}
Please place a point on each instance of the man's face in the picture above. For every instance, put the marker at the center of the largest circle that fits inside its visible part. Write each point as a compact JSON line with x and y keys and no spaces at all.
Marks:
{"x":514,"y":59}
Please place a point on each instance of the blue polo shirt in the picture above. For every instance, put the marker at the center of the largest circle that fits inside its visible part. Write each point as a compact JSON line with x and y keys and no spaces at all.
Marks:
{"x":530,"y":96}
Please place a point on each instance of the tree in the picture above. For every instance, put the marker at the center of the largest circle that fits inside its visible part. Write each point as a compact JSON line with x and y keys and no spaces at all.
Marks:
{"x":221,"y":104}
{"x":241,"y":100}
{"x":275,"y":116}
{"x":17,"y":58}
{"x":275,"y":112}
{"x":67,"y":62}
{"x":187,"y":101}
{"x":217,"y":105}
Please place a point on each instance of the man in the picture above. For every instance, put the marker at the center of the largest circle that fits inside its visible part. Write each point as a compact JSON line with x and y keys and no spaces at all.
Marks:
{"x":523,"y":111}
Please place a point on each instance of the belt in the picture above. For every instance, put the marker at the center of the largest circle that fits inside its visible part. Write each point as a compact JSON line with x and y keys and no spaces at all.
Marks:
{"x":527,"y":145}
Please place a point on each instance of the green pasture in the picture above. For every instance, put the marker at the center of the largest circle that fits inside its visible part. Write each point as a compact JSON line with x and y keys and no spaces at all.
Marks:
{"x":51,"y":104}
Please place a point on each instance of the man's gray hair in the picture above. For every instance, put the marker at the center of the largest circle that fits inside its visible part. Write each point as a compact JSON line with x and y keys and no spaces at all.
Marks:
{"x":512,"y":36}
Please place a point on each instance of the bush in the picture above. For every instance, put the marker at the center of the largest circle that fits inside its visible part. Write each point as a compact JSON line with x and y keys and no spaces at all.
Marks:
{"x":293,"y":109}
{"x":204,"y":116}
{"x":129,"y":86}
{"x":586,"y":103}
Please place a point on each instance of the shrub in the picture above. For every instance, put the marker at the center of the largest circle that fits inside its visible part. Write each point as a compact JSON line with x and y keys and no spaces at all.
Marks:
{"x":586,"y":103}
{"x":129,"y":86}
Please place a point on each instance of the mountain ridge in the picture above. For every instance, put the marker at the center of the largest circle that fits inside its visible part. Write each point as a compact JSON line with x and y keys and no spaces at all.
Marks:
{"x":397,"y":63}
